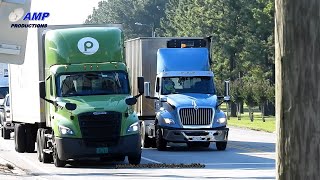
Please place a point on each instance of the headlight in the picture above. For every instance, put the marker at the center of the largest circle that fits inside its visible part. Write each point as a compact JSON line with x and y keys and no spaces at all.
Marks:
{"x":65,"y":130}
{"x":222,"y":120}
{"x":133,"y":127}
{"x":168,"y":121}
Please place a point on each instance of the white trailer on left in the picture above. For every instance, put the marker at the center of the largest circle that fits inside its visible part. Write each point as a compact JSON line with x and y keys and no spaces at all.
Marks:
{"x":6,"y":125}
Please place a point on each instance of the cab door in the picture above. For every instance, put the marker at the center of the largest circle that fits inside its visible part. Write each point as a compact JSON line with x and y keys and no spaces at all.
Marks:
{"x":51,"y":108}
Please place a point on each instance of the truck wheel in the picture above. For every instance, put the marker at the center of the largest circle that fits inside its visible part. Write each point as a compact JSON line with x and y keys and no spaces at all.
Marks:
{"x":221,"y":146}
{"x":6,"y":133}
{"x":145,"y":140}
{"x":161,"y":143}
{"x":134,"y":159}
{"x":20,"y":138}
{"x":56,"y":160}
{"x":46,"y":158}
{"x":39,"y":147}
{"x":30,"y":141}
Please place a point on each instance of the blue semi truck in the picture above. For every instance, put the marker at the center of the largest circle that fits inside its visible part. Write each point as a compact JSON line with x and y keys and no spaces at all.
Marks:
{"x":182,"y":106}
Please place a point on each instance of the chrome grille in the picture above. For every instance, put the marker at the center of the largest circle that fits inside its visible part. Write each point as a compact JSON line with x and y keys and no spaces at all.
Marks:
{"x":201,"y":116}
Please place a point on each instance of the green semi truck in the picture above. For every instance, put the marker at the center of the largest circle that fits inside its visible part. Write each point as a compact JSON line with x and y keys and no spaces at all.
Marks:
{"x":82,"y":107}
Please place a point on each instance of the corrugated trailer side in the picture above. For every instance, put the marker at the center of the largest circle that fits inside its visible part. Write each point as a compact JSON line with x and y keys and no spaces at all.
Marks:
{"x":141,"y":58}
{"x":133,"y":60}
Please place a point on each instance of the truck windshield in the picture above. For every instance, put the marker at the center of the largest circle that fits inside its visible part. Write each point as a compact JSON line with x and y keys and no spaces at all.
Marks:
{"x":180,"y":85}
{"x":92,"y":83}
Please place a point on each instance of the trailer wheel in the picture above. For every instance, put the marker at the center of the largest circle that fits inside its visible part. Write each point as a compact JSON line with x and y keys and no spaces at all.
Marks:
{"x":161,"y":143}
{"x":134,"y":159}
{"x":56,"y":160}
{"x":146,"y":142}
{"x":20,"y":138}
{"x":221,"y":146}
{"x":47,"y":158}
{"x":6,"y":133}
{"x":30,"y":141}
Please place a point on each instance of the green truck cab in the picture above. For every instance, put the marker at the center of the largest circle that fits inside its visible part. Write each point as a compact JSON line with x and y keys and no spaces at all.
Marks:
{"x":85,"y":99}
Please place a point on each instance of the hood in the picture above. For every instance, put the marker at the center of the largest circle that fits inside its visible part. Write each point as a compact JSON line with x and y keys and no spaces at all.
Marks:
{"x":97,"y":103}
{"x":182,"y":100}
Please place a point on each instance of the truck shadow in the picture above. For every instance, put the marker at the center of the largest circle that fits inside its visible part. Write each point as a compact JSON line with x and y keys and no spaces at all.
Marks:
{"x":241,"y":145}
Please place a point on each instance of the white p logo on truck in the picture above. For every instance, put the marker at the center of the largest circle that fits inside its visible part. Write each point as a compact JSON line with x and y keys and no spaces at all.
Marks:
{"x":88,"y":45}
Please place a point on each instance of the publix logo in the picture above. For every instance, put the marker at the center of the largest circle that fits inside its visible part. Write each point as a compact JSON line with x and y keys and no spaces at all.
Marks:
{"x":88,"y":45}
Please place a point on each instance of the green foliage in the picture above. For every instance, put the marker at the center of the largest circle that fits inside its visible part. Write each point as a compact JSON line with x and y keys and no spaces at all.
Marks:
{"x":237,"y":91}
{"x":249,"y":86}
{"x":242,"y":35}
{"x":127,"y":13}
{"x":242,"y":41}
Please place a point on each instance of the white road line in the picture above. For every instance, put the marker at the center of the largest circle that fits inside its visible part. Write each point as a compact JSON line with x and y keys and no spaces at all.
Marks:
{"x":154,"y":161}
{"x":47,"y":173}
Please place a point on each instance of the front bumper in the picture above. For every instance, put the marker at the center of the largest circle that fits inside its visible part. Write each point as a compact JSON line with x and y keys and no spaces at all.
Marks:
{"x":70,"y":148}
{"x":196,"y":135}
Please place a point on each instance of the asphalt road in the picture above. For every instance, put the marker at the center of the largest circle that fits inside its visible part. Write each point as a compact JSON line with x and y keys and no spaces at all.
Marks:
{"x":249,"y":155}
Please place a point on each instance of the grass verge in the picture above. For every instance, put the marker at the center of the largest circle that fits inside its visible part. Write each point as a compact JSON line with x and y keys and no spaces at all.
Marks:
{"x":269,"y":125}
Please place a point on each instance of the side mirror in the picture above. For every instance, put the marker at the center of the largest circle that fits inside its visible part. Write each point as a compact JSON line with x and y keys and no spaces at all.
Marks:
{"x":141,"y":85}
{"x":42,"y":89}
{"x":226,"y":91}
{"x":147,"y":89}
{"x":131,"y":101}
{"x":70,"y":106}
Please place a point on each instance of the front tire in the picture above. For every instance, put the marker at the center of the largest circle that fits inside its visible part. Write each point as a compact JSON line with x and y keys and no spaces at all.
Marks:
{"x":161,"y":143}
{"x":56,"y":160}
{"x":134,"y":159}
{"x":221,"y":146}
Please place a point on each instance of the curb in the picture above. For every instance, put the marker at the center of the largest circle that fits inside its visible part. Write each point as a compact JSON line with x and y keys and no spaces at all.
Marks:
{"x":10,"y":169}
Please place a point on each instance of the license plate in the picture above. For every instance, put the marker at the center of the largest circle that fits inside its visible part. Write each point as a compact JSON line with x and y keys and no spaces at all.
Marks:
{"x":102,"y":150}
{"x":197,"y":138}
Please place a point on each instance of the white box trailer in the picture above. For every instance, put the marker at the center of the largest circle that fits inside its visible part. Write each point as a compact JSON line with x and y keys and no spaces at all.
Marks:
{"x":26,"y":105}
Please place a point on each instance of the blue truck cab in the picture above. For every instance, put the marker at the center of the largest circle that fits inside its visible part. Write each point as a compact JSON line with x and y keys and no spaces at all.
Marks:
{"x":186,"y":104}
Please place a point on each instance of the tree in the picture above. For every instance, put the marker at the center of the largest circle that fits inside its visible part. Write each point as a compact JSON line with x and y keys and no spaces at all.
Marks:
{"x":297,"y":45}
{"x":242,"y":33}
{"x":249,"y":94}
{"x":127,"y":13}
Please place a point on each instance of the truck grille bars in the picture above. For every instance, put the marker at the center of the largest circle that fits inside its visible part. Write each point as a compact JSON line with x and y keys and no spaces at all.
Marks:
{"x":191,"y":116}
{"x":100,"y":127}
